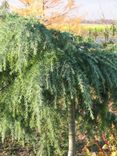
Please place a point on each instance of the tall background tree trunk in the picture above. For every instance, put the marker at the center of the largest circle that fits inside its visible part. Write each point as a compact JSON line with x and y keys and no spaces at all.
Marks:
{"x":71,"y":115}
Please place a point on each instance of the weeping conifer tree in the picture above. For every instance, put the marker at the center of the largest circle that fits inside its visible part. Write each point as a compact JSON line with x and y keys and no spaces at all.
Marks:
{"x":46,"y":78}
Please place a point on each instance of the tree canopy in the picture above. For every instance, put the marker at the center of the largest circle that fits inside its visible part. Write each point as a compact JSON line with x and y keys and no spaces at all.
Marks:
{"x":42,"y":73}
{"x":48,"y":12}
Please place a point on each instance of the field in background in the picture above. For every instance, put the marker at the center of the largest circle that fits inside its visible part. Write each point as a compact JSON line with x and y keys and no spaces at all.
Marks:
{"x":101,"y":33}
{"x":85,"y":28}
{"x":96,"y":26}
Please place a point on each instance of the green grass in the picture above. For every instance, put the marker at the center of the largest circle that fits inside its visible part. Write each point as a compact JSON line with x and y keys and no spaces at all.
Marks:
{"x":98,"y":27}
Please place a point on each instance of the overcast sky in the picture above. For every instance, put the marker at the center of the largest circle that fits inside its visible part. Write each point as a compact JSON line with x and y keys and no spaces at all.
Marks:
{"x":92,"y":9}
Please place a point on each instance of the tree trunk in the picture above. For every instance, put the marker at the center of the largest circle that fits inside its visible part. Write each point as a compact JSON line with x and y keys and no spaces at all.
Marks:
{"x":71,"y":115}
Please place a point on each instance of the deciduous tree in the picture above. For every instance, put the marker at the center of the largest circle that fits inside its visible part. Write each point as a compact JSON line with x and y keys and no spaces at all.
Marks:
{"x":49,"y":12}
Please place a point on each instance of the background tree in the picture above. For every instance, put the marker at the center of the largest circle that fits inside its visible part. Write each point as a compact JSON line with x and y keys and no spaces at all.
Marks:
{"x":4,"y":6}
{"x":52,"y":11}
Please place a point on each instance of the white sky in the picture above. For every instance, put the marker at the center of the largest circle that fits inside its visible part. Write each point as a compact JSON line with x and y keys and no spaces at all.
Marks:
{"x":94,"y":9}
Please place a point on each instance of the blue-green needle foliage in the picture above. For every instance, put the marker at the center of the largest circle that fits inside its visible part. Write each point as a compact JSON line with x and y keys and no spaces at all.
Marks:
{"x":41,"y":73}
